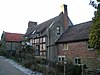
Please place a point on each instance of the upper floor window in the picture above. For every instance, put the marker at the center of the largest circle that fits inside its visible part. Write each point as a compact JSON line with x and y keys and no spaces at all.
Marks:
{"x":58,"y":30}
{"x":77,"y":61}
{"x":44,"y":39}
{"x":37,"y":34}
{"x":89,"y":47}
{"x":65,"y":46}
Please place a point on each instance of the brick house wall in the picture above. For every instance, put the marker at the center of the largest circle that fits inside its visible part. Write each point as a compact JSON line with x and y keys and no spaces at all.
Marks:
{"x":80,"y":50}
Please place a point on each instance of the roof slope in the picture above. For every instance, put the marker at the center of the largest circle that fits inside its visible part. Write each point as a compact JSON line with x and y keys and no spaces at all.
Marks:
{"x":15,"y":37}
{"x":76,"y":33}
{"x":39,"y":27}
{"x":43,"y":26}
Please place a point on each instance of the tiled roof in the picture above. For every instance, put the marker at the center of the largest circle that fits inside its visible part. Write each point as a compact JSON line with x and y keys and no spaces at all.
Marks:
{"x":15,"y":37}
{"x":43,"y":26}
{"x":39,"y":27}
{"x":76,"y":33}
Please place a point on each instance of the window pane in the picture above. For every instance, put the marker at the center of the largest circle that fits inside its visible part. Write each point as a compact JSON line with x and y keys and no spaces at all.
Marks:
{"x":41,"y":47}
{"x":79,"y":61}
{"x":59,"y":59}
{"x":44,"y":39}
{"x":62,"y":58}
{"x":75,"y":61}
{"x":36,"y":40}
{"x":58,"y":30}
{"x":44,"y":46}
{"x":40,"y":40}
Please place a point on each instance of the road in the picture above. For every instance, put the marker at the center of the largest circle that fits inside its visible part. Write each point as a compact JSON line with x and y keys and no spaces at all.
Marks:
{"x":6,"y":68}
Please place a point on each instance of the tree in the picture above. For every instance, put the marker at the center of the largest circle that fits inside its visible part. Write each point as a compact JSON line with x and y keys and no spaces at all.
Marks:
{"x":94,"y":38}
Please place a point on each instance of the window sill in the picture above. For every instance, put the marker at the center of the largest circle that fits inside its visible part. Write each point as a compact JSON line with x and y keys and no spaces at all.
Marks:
{"x":65,"y":49}
{"x":91,"y":49}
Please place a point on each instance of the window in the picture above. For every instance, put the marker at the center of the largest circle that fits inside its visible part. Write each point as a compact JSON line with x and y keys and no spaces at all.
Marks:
{"x":58,"y":30}
{"x":37,"y":34}
{"x":37,"y":50}
{"x":36,"y":40}
{"x":43,"y":53}
{"x":65,"y":46}
{"x":44,"y":46}
{"x":89,"y":47}
{"x":44,"y":39}
{"x":61,"y":58}
{"x":77,"y":61}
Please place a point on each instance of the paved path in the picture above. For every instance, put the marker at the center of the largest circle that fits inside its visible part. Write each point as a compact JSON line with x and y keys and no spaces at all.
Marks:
{"x":6,"y":68}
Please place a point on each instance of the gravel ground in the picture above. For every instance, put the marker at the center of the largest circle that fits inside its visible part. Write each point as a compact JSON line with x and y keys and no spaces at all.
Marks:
{"x":9,"y":67}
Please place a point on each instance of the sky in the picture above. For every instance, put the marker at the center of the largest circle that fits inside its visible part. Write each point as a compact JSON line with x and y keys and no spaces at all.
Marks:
{"x":15,"y":14}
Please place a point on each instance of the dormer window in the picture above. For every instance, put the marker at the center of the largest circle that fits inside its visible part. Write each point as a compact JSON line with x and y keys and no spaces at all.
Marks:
{"x":58,"y":30}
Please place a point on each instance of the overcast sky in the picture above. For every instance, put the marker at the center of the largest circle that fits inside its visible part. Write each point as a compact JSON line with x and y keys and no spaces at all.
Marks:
{"x":15,"y":14}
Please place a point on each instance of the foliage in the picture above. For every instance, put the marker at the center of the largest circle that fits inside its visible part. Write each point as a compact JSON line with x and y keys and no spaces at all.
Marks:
{"x":94,"y":38}
{"x":58,"y":69}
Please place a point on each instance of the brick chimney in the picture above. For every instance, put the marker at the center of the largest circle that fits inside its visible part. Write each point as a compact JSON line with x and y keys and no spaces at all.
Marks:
{"x":30,"y":24}
{"x":65,"y":15}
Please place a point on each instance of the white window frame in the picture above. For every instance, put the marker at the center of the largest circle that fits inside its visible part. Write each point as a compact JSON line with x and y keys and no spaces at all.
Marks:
{"x":61,"y":57}
{"x":77,"y":62}
{"x":65,"y":48}
{"x":58,"y":30}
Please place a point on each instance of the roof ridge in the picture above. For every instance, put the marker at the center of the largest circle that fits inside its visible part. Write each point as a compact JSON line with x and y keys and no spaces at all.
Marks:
{"x":83,"y":23}
{"x":14,"y":33}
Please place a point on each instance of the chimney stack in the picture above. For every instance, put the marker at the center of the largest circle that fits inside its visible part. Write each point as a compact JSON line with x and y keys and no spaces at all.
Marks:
{"x":65,"y":15}
{"x":30,"y":24}
{"x":64,"y":9}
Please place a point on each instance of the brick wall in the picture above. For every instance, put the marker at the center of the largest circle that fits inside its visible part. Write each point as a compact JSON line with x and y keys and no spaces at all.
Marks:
{"x":79,"y":49}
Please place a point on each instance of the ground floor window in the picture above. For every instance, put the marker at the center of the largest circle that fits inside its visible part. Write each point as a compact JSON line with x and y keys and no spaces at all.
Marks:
{"x":77,"y":61}
{"x":61,"y":58}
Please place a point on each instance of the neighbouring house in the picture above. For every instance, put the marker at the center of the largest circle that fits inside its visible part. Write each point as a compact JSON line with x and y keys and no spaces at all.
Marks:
{"x":73,"y":46}
{"x":11,"y":42}
{"x":43,"y":36}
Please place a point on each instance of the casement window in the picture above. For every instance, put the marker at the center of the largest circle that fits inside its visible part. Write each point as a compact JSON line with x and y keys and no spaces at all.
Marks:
{"x":37,"y":40}
{"x":58,"y":30}
{"x":89,"y":47}
{"x":65,"y":46}
{"x":61,"y":58}
{"x":77,"y":61}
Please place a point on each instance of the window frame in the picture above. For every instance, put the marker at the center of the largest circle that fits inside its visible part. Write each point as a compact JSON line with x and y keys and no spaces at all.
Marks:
{"x":58,"y":30}
{"x":61,"y":57}
{"x":65,"y":46}
{"x":88,"y":47}
{"x":77,"y":61}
